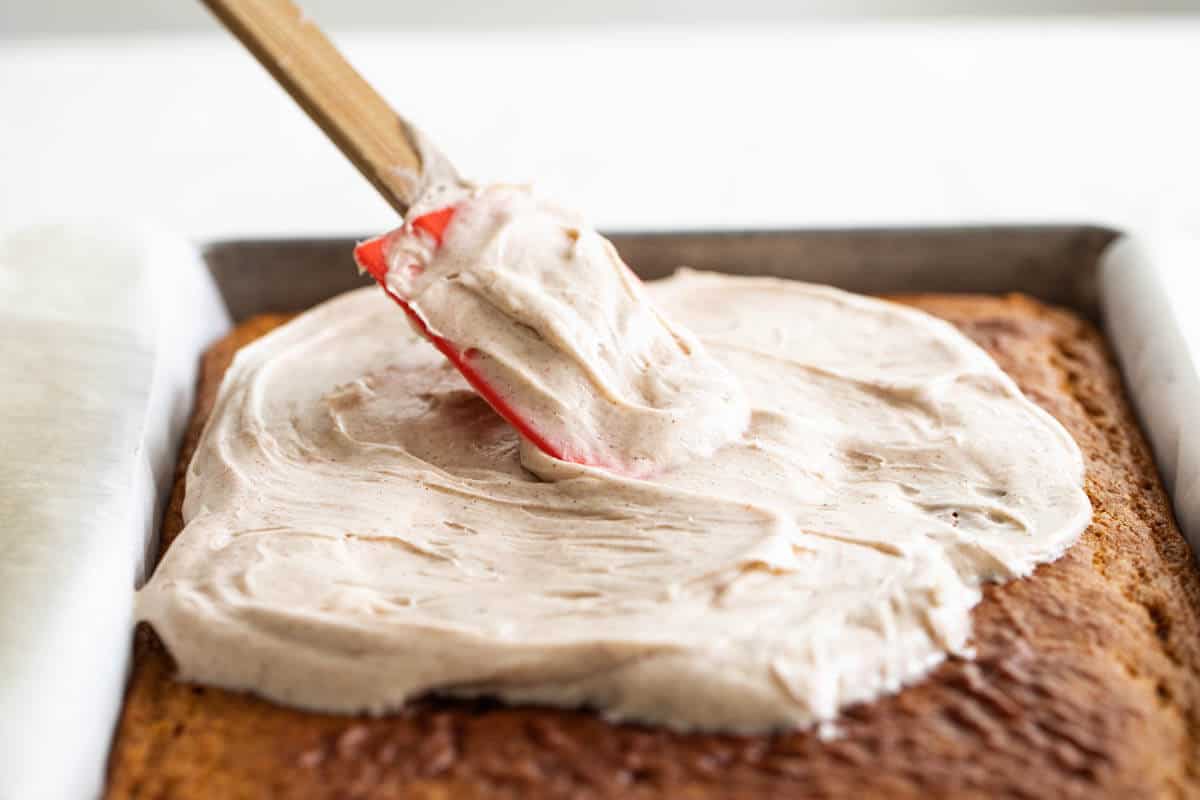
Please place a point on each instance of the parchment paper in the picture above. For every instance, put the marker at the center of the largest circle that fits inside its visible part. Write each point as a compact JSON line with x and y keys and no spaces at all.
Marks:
{"x":100,"y":330}
{"x":1148,"y":290}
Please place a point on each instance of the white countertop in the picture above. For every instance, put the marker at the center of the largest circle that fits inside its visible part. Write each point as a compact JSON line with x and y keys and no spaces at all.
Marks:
{"x":826,"y":124}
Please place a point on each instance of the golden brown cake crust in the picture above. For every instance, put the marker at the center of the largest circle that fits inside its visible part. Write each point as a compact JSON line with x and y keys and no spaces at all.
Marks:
{"x":1086,"y":681}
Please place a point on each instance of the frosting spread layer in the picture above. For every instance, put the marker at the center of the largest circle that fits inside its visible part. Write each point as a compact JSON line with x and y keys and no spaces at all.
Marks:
{"x":360,"y":527}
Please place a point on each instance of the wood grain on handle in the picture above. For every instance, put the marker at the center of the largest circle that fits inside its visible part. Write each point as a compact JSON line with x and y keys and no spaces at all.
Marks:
{"x":339,"y":100}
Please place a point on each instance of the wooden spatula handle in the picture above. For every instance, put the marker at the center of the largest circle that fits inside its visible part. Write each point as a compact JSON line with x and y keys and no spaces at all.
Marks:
{"x":338,"y":99}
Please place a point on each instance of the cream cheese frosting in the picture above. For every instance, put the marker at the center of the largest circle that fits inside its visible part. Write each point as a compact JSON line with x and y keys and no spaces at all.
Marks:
{"x":538,"y":306}
{"x":361,"y":528}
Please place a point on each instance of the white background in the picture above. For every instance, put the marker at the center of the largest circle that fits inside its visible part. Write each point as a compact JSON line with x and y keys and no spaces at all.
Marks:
{"x":646,"y":114}
{"x":831,"y":123}
{"x":21,"y":17}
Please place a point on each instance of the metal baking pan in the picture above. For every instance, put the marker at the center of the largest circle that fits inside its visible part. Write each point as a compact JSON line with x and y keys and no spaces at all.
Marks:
{"x":1053,"y":263}
{"x":1105,"y":275}
{"x":1109,"y":277}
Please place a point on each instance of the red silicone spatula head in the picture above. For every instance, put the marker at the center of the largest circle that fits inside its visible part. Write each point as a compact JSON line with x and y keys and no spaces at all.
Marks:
{"x":371,"y":256}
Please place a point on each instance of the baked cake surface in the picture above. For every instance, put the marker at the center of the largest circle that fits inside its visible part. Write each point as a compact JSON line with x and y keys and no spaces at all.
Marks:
{"x":1085,"y":681}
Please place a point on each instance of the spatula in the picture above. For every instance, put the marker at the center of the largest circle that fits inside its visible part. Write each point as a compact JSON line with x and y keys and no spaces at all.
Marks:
{"x":305,"y":63}
{"x":398,"y":162}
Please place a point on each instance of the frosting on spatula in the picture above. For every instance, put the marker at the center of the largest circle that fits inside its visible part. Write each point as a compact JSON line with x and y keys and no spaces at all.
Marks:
{"x":553,"y":330}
